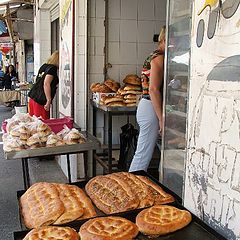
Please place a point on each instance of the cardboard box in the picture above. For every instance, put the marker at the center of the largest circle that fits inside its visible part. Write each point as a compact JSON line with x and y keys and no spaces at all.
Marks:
{"x":96,"y":97}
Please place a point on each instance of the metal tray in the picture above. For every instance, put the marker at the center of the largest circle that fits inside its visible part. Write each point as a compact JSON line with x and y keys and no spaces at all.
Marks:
{"x":92,"y":143}
{"x":196,"y":230}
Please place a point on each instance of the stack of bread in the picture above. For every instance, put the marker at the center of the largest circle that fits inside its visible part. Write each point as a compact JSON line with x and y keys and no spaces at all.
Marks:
{"x":25,"y":132}
{"x":131,"y":89}
{"x":108,"y":86}
{"x":125,"y":191}
{"x":45,"y":203}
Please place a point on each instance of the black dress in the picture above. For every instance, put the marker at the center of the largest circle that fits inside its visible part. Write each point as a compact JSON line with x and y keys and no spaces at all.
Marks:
{"x":8,"y":80}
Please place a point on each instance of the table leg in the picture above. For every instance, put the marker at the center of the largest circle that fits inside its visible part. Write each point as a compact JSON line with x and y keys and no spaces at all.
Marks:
{"x":26,"y":177}
{"x":24,"y":174}
{"x":69,"y":169}
{"x":85,"y":158}
{"x":109,"y":115}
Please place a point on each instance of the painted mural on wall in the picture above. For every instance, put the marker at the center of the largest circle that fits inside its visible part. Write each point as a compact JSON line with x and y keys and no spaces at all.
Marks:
{"x":212,"y":181}
{"x":66,"y":53}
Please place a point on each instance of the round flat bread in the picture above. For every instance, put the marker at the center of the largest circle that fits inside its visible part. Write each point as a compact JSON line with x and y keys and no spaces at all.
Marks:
{"x":52,"y":233}
{"x":162,"y":219}
{"x":132,"y":87}
{"x":132,"y":79}
{"x":108,"y":228}
{"x":112,"y":84}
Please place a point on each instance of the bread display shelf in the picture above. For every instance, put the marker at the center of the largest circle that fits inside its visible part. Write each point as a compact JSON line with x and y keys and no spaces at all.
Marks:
{"x":195,"y":230}
{"x":90,"y":144}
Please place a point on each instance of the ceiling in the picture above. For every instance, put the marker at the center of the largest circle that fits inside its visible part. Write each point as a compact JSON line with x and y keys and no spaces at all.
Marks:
{"x":18,"y":18}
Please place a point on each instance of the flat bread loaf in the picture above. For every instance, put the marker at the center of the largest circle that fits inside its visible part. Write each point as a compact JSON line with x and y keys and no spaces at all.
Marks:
{"x":161,"y":220}
{"x":111,"y":194}
{"x":52,"y":233}
{"x":53,"y":203}
{"x":119,"y":192}
{"x":112,"y":84}
{"x":132,"y":79}
{"x":108,"y":228}
{"x":159,"y":195}
{"x":40,"y":205}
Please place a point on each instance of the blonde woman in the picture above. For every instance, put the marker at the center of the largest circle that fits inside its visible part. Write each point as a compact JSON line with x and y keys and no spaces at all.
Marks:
{"x":45,"y":87}
{"x":149,"y":112}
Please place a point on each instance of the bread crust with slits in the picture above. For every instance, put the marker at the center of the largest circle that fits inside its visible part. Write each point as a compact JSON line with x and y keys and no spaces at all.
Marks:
{"x":132,"y":79}
{"x":112,"y":84}
{"x":162,"y":219}
{"x":52,"y":233}
{"x":40,"y":205}
{"x":159,"y":195}
{"x":108,"y":228}
{"x":111,"y":194}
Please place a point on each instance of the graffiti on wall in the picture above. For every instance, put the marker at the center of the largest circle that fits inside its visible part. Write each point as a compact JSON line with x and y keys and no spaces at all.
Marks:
{"x":212,"y":183}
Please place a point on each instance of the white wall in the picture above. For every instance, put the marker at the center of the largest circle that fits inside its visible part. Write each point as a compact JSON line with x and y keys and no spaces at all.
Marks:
{"x":212,"y":181}
{"x":42,"y":37}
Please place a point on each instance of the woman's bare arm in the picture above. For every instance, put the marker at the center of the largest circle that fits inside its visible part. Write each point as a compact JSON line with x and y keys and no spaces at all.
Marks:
{"x":156,"y":81}
{"x":47,"y":90}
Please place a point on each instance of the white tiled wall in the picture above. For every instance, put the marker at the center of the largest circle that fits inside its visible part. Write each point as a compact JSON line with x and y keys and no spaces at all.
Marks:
{"x":42,"y":38}
{"x":131,"y":26}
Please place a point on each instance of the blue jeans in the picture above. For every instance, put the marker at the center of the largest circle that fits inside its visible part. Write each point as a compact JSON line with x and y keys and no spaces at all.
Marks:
{"x":149,"y":129}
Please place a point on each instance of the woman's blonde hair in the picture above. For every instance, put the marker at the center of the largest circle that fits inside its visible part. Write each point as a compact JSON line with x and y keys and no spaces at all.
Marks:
{"x":54,"y":59}
{"x":162,"y":34}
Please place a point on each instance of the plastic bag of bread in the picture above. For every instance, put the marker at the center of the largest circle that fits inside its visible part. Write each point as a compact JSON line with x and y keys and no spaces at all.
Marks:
{"x":64,"y":131}
{"x":74,"y":137}
{"x":35,"y":141}
{"x":54,"y":140}
{"x":12,"y":144}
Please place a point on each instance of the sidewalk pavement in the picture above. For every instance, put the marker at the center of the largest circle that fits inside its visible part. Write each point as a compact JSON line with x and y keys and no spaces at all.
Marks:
{"x":11,"y":180}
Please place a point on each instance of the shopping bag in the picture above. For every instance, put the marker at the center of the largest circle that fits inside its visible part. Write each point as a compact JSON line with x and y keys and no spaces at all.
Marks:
{"x":128,"y":145}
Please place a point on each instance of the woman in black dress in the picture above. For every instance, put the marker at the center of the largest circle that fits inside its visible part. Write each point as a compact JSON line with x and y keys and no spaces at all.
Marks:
{"x":9,"y":77}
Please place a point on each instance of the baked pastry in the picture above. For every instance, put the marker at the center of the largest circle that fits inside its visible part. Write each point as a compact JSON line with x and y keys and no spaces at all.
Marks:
{"x":111,"y":194}
{"x":121,"y":91}
{"x":139,"y":189}
{"x":130,"y":101}
{"x":93,"y":87}
{"x":117,"y":98}
{"x":112,"y":84}
{"x":159,"y":195}
{"x":40,"y":205}
{"x":133,"y":92}
{"x":132,"y":79}
{"x":108,"y":228}
{"x":52,"y":233}
{"x":131,"y":104}
{"x":130,"y":96}
{"x":132,"y":87}
{"x":101,"y":87}
{"x":116,"y":104}
{"x":70,"y":196}
{"x":162,"y":219}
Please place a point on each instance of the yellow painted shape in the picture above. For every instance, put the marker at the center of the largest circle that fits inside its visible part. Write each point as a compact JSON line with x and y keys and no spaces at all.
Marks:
{"x":208,"y":3}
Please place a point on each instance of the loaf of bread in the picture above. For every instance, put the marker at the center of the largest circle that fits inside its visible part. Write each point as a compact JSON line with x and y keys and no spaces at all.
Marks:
{"x":112,"y":84}
{"x":111,"y":194}
{"x":132,"y":79}
{"x":119,"y":192}
{"x":116,"y":104}
{"x":51,"y":203}
{"x":159,"y":195}
{"x":108,"y":228}
{"x":40,"y":205}
{"x":100,"y":87}
{"x":52,"y":233}
{"x":162,"y":219}
{"x":128,"y":87}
